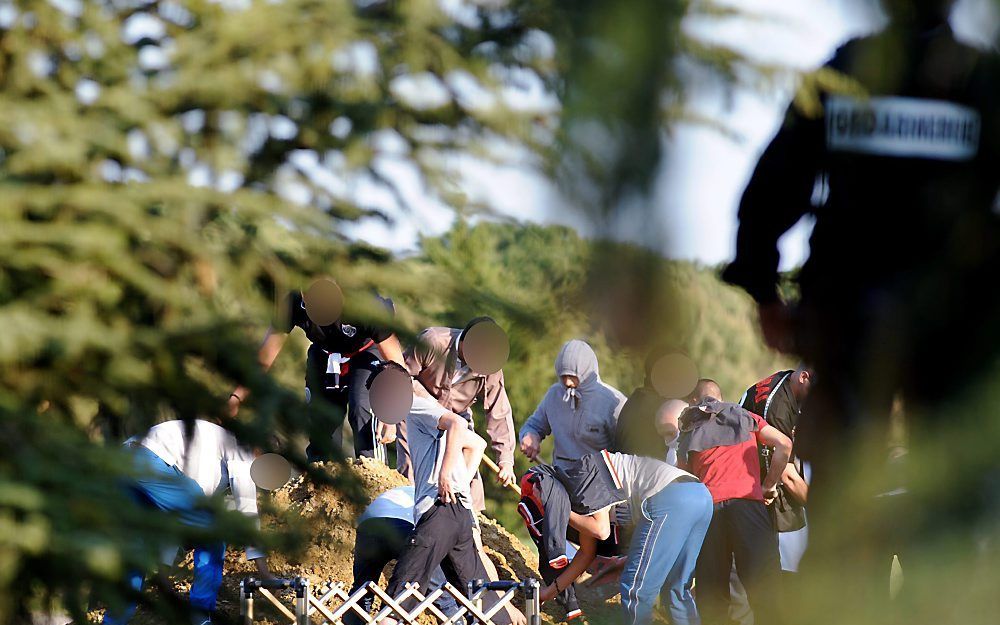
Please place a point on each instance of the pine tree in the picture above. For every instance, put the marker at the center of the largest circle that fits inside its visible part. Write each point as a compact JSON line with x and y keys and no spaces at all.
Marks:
{"x":160,"y":186}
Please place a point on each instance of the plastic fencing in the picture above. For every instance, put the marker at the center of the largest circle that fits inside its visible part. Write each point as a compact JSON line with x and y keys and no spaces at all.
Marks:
{"x":331,"y":604}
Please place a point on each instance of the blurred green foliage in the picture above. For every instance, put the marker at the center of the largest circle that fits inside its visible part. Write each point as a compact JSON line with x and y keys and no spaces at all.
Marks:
{"x":147,"y":157}
{"x":162,"y":182}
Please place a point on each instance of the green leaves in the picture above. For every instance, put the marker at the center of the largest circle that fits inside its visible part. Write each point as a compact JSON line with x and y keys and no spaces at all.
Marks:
{"x":147,"y":154}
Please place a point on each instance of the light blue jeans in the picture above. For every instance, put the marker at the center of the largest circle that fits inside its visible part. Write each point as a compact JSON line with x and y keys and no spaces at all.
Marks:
{"x":163,"y":487}
{"x":664,"y":551}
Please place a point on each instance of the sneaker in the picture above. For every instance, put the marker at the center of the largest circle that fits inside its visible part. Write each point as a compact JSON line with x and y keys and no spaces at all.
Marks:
{"x":200,"y":617}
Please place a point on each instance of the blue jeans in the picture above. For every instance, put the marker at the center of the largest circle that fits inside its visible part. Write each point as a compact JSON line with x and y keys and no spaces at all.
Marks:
{"x":664,"y":551}
{"x":163,"y":487}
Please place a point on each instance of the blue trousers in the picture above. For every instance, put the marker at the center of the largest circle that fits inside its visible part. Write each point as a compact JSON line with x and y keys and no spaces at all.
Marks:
{"x":163,"y":487}
{"x":664,"y":551}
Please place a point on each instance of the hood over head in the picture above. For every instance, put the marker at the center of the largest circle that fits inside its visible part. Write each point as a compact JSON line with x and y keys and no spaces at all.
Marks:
{"x":578,"y":358}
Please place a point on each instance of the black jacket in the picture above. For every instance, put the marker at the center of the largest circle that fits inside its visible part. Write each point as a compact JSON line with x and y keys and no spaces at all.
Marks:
{"x":772,"y":399}
{"x":590,"y":484}
{"x":544,"y":506}
{"x":636,"y":432}
{"x":902,"y":185}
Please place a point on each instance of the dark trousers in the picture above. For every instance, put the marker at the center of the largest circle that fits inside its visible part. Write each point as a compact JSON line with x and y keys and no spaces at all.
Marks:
{"x":443,"y":537}
{"x":739,"y":608}
{"x":567,"y":598}
{"x":741,"y":529}
{"x":380,"y":541}
{"x":330,"y":399}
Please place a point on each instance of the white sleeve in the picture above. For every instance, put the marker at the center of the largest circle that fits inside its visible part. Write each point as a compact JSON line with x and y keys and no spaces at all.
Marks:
{"x":244,"y":492}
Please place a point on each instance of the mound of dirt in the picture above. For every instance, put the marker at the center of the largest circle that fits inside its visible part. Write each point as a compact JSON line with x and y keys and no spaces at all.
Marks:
{"x":329,"y":518}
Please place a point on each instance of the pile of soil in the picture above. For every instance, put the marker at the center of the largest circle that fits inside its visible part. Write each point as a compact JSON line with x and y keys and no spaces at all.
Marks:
{"x":329,"y":515}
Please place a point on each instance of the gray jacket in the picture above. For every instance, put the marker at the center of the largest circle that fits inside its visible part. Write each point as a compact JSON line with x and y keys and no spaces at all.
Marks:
{"x":583,"y":420}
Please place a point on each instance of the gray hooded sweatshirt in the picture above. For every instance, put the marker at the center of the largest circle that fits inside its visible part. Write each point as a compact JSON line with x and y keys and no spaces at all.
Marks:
{"x":581,"y":420}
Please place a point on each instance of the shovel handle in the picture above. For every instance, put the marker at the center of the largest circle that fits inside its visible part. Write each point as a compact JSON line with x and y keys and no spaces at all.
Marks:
{"x":496,"y":469}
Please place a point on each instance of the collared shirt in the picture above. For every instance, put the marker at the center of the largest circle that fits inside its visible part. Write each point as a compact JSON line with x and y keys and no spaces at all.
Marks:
{"x":438,"y":371}
{"x":461,"y":368}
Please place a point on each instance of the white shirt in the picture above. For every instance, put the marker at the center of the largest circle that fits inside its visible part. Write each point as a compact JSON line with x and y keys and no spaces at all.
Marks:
{"x":792,"y":545}
{"x":395,"y":503}
{"x":641,"y":477}
{"x":212,"y":458}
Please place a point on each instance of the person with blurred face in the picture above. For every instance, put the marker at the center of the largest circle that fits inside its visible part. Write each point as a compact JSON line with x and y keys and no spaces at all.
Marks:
{"x":901,"y":176}
{"x":178,"y":467}
{"x":438,"y":364}
{"x":580,"y":411}
{"x":671,"y":510}
{"x":342,"y":355}
{"x":636,"y":430}
{"x":778,"y":398}
{"x":446,"y":454}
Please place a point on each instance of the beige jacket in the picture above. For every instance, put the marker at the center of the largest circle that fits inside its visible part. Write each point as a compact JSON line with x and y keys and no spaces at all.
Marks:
{"x":434,"y":363}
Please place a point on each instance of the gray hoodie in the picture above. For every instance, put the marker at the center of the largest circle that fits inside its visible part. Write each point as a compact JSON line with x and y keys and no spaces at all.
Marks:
{"x":581,"y":420}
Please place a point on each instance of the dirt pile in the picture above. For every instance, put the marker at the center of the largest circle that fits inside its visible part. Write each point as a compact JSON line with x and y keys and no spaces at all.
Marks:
{"x":329,"y":519}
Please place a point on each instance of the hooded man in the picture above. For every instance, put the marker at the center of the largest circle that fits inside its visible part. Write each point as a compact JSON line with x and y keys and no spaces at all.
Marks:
{"x":343,"y":354}
{"x":580,"y":411}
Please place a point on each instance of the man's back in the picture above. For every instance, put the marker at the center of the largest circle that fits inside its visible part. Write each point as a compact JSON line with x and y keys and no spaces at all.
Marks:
{"x":718,"y":444}
{"x":907,"y":169}
{"x":912,"y":171}
{"x":635,"y":432}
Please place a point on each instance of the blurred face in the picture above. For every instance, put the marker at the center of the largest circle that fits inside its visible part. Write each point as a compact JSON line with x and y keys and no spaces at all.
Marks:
{"x":570,"y":381}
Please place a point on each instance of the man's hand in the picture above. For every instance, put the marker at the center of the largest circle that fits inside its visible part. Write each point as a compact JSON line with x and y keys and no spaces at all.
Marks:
{"x":770,"y":495}
{"x":606,"y":570}
{"x":445,"y":492}
{"x":548,"y":593}
{"x":386,"y":433}
{"x":530,"y":446}
{"x":262,"y":569}
{"x":506,"y":477}
{"x":776,"y":324}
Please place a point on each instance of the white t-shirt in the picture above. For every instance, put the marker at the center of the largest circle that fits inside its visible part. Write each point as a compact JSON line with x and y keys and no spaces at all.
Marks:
{"x":671,"y":458}
{"x":792,"y":545}
{"x":641,"y":477}
{"x":395,"y":503}
{"x":427,"y":445}
{"x":212,"y":458}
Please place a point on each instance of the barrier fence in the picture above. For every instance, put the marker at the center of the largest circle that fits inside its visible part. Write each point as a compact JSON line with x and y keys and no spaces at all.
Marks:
{"x":307,"y":605}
